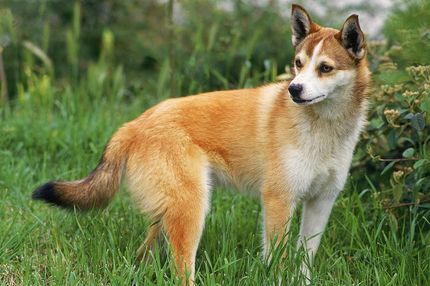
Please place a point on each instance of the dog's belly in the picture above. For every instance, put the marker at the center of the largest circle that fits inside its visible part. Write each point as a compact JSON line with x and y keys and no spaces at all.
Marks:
{"x":244,"y":182}
{"x":305,"y":175}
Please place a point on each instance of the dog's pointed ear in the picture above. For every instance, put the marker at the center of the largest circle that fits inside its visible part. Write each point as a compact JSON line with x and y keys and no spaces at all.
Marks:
{"x":352,"y":38}
{"x":301,"y":24}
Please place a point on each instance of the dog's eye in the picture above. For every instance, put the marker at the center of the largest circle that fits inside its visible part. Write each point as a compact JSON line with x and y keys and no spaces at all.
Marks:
{"x":298,"y":63}
{"x":325,"y":68}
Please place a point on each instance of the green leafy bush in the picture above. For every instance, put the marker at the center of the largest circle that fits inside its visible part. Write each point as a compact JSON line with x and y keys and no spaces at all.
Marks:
{"x":409,"y":28}
{"x":395,"y":154}
{"x":399,"y":139}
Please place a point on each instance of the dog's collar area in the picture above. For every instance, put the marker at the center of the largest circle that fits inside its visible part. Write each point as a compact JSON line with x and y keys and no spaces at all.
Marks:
{"x":300,"y":101}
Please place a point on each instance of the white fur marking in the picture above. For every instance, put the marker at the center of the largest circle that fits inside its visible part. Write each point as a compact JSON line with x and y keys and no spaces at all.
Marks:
{"x":316,"y":89}
{"x":308,"y":77}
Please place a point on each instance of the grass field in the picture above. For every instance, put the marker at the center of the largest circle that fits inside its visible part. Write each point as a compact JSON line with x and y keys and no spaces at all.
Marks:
{"x":63,"y":138}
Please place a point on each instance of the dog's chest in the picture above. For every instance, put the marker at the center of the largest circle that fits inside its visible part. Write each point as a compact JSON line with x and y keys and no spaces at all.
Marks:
{"x":319,"y":162}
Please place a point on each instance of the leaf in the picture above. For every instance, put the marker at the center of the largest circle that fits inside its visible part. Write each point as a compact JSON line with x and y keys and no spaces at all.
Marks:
{"x":420,"y":182}
{"x":393,"y":77}
{"x":421,"y":120}
{"x":392,"y":139}
{"x":421,"y":163}
{"x":408,"y":153}
{"x":425,"y":106}
{"x":402,"y":140}
{"x":409,"y":116}
{"x":397,"y":192}
{"x":388,"y":167}
{"x":426,"y":206}
{"x":393,"y":222}
{"x":418,"y":121}
{"x":376,"y":123}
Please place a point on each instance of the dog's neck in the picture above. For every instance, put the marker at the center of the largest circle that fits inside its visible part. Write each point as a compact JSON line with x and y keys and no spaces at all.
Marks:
{"x":338,"y":108}
{"x":342,"y":115}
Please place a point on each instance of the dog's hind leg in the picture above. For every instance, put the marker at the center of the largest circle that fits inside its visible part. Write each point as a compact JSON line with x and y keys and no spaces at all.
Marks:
{"x":171,"y":184}
{"x":183,"y":223}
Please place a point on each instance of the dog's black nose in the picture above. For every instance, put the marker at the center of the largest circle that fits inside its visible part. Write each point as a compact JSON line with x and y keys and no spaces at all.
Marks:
{"x":295,"y":90}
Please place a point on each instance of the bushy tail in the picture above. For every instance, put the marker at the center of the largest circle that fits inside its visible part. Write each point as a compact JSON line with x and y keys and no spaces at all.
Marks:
{"x":98,"y":188}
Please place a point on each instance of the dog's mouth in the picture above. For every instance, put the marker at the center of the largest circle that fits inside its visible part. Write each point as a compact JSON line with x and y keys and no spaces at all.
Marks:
{"x":308,"y":101}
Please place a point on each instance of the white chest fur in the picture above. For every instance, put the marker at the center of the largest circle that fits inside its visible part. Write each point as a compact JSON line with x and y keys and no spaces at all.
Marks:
{"x":320,"y":161}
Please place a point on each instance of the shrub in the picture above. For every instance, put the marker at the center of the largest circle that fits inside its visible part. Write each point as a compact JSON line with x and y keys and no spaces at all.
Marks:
{"x":395,"y":154}
{"x":409,"y":28}
{"x":399,"y":139}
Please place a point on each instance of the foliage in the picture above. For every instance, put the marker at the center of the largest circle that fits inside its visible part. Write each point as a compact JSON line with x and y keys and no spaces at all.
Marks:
{"x":228,"y":48}
{"x":397,"y":141}
{"x":409,"y":28}
{"x":231,"y":49}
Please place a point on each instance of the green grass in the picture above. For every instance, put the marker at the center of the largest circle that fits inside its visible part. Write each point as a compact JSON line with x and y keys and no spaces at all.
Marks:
{"x":60,"y":133}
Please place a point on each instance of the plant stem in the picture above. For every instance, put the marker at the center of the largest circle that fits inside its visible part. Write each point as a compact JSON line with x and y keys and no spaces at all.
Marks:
{"x":3,"y":81}
{"x":171,"y":47}
{"x":407,"y":204}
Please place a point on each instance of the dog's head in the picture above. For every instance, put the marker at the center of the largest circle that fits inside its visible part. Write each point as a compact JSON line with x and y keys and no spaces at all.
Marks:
{"x":327,"y":61}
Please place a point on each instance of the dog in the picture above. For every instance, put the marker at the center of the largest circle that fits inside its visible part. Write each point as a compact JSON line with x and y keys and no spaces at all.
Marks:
{"x":290,"y":141}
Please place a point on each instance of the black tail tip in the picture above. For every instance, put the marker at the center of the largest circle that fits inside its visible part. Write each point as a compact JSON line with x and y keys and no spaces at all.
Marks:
{"x":48,"y":193}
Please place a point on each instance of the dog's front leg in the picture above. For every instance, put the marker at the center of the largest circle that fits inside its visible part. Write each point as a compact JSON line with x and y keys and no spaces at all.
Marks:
{"x":278,"y":207}
{"x":316,"y":212}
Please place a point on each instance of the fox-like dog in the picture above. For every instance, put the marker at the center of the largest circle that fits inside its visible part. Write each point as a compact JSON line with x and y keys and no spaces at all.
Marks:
{"x":290,"y":141}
